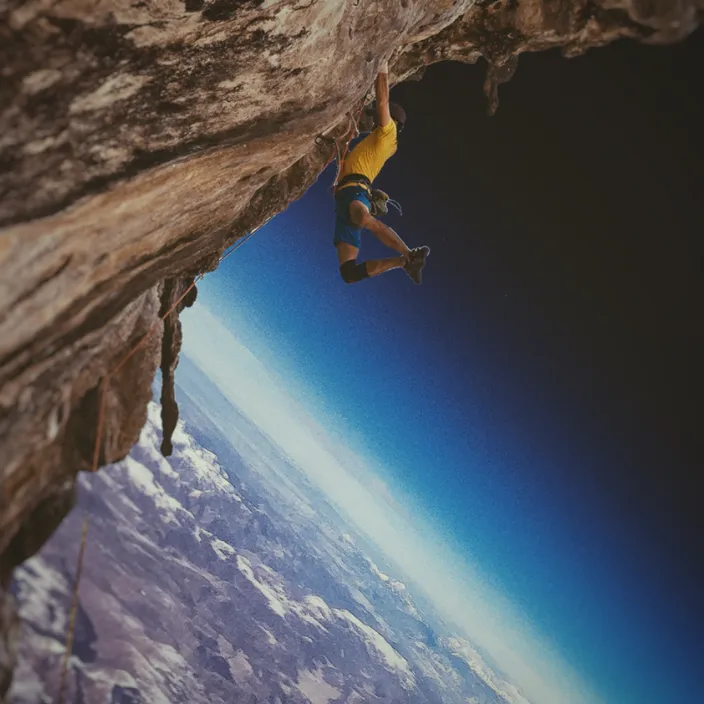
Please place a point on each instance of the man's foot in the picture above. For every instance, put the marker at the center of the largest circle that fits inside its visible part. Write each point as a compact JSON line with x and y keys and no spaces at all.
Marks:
{"x":415,"y":263}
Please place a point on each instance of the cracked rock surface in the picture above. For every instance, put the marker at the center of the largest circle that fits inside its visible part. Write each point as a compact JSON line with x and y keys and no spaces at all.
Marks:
{"x":139,"y":140}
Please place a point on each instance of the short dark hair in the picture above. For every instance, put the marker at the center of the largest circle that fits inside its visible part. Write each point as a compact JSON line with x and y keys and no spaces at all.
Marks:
{"x":398,"y":114}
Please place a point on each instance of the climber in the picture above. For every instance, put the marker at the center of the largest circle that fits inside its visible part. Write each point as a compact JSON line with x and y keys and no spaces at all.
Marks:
{"x":353,"y":197}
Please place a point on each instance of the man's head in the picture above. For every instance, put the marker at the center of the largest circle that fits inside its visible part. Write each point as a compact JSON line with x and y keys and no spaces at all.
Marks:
{"x":398,"y":115}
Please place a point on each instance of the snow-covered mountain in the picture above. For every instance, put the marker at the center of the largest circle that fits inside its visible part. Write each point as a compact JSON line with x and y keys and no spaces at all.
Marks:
{"x":225,"y":576}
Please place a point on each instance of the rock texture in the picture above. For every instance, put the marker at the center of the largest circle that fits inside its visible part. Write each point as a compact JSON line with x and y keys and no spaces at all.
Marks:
{"x":138,"y":140}
{"x":176,"y":295}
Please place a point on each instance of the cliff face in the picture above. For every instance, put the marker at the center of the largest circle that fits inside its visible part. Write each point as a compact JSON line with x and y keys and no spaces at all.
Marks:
{"x":139,"y":140}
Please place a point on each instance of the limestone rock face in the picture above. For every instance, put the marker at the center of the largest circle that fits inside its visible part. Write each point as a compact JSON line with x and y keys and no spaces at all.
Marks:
{"x":139,"y":139}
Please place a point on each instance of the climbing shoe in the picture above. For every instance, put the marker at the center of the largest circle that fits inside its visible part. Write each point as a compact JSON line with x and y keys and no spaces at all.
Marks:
{"x":415,"y":263}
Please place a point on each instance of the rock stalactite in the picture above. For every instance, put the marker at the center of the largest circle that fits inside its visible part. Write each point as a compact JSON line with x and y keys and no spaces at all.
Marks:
{"x":176,"y":295}
{"x":139,"y":140}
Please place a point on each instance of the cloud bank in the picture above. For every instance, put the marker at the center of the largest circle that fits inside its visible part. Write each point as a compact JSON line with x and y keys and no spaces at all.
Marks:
{"x":461,"y":594}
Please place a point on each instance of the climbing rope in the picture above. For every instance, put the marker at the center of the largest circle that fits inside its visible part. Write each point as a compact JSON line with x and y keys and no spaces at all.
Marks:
{"x":347,"y":143}
{"x":352,"y":130}
{"x":102,"y":395}
{"x":72,"y":614}
{"x":321,"y":139}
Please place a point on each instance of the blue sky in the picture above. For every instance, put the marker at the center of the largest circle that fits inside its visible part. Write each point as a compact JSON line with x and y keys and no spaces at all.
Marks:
{"x":394,"y":380}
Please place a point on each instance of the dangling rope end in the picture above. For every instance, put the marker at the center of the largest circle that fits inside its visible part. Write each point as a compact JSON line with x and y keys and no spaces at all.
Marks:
{"x":396,"y":205}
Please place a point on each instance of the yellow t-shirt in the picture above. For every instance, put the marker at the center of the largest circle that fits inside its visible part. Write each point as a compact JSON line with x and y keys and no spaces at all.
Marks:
{"x":371,"y":153}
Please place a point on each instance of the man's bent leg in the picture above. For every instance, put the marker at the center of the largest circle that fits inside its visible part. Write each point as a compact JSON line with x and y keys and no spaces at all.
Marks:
{"x":352,"y":272}
{"x":346,"y":251}
{"x":361,"y":217}
{"x":380,"y":266}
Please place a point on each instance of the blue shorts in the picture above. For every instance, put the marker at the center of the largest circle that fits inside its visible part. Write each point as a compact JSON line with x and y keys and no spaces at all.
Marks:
{"x":345,"y":229}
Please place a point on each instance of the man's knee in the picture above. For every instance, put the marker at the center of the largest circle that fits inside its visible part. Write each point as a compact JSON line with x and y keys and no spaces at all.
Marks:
{"x":352,"y":272}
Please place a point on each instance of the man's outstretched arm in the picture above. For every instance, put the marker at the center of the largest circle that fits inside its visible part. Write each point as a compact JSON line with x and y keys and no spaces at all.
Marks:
{"x":381,"y":86}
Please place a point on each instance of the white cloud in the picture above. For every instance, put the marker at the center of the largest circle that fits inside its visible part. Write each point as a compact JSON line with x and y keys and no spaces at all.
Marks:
{"x":381,"y":645}
{"x":458,"y":589}
{"x":276,"y":601}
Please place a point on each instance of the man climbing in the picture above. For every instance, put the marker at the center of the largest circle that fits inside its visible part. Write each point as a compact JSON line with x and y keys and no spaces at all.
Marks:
{"x":353,"y":197}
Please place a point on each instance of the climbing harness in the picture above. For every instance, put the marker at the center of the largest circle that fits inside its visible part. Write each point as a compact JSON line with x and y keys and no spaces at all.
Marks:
{"x":357,"y":179}
{"x":379,"y":200}
{"x":351,"y":133}
{"x":102,"y":395}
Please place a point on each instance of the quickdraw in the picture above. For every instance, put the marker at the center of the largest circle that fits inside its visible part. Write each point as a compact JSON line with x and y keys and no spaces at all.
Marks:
{"x":380,"y":203}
